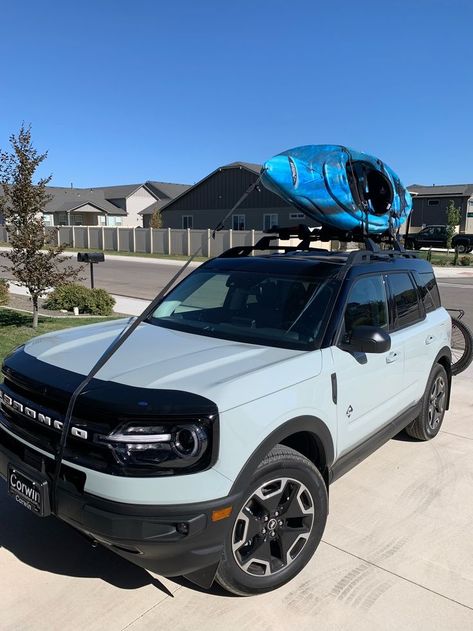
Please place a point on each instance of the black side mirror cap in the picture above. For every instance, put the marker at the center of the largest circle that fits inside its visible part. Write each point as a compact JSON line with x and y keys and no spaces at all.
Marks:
{"x":367,"y":339}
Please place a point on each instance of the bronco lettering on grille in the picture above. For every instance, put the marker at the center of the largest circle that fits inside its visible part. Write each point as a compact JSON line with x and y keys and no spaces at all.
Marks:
{"x":39,"y":417}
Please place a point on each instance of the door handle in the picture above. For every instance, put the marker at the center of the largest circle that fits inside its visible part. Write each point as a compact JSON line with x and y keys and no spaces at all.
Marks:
{"x":429,"y":339}
{"x":392,"y":357}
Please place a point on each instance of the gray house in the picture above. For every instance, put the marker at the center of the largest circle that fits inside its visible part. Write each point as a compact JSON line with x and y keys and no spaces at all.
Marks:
{"x":204,"y":205}
{"x":430,"y":205}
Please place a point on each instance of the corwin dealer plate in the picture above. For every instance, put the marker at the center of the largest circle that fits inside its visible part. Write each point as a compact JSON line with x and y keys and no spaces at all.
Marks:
{"x":30,"y":493}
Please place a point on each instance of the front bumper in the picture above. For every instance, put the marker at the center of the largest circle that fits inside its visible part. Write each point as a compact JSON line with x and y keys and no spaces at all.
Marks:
{"x":169,"y":540}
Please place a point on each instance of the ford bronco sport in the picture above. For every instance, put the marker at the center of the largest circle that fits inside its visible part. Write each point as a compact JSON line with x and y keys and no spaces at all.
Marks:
{"x":206,"y":445}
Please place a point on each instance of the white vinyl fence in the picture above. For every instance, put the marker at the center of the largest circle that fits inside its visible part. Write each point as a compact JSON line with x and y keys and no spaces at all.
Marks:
{"x":147,"y":240}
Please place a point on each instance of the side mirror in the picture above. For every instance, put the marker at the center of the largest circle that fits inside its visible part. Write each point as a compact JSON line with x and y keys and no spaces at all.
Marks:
{"x":367,"y":339}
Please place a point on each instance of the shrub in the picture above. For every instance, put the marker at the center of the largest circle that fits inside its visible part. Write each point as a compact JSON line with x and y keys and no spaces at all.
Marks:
{"x":465,"y":260}
{"x":4,"y":296}
{"x":68,"y":296}
{"x":100,"y":302}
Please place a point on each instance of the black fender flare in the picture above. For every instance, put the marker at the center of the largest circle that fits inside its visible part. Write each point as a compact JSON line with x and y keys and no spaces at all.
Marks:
{"x":310,"y":424}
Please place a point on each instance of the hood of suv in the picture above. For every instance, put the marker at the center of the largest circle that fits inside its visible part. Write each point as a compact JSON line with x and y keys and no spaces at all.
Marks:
{"x":229,"y":373}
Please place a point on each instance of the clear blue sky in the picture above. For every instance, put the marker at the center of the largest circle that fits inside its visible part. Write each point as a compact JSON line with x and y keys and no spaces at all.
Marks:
{"x":120,"y":91}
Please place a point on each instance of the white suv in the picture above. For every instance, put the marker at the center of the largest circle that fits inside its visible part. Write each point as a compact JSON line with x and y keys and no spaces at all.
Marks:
{"x":205,"y":446}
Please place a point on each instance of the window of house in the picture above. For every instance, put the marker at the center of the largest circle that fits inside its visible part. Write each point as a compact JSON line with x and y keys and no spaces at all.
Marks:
{"x":405,"y":300}
{"x":270,"y":221}
{"x":238,"y":222}
{"x":367,"y":304}
{"x":114,"y":222}
{"x":296,"y":216}
{"x":102,"y":220}
{"x":78,"y":219}
{"x":62,"y":219}
{"x":187,"y":222}
{"x":48,"y":220}
{"x":433,"y":202}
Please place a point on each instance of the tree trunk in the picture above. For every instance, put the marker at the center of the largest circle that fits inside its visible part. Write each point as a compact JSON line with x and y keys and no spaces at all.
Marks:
{"x":35,"y":311}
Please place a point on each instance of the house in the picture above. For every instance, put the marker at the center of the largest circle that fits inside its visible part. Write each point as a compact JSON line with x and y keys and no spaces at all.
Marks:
{"x":108,"y":205}
{"x":430,"y":205}
{"x":203,"y":205}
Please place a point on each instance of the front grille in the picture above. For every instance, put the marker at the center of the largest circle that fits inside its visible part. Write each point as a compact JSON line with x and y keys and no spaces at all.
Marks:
{"x":47,"y":437}
{"x":67,"y":475}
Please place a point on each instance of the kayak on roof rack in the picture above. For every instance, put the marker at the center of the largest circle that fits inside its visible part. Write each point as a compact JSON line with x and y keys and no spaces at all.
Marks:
{"x":339,"y":187}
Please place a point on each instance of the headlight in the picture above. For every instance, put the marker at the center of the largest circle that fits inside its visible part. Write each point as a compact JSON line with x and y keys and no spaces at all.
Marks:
{"x":161,"y":446}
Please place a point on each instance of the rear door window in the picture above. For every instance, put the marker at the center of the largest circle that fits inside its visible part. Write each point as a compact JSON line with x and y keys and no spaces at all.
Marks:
{"x":406,"y":301}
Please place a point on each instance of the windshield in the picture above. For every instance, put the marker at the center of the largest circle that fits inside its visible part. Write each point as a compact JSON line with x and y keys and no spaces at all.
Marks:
{"x":251,"y":307}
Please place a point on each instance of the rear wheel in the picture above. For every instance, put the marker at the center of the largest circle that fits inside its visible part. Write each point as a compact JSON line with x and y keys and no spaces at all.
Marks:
{"x":427,"y":425}
{"x":462,"y":248}
{"x":277,"y":527}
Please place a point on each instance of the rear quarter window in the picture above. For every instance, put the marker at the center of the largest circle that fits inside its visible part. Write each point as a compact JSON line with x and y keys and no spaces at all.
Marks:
{"x":406,"y":301}
{"x":429,"y":291}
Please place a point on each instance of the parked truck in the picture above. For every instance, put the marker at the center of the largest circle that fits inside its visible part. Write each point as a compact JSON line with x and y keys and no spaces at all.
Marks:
{"x":436,"y":237}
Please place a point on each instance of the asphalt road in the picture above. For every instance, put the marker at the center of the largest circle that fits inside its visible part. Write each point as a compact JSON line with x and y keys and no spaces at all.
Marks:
{"x":144,"y":280}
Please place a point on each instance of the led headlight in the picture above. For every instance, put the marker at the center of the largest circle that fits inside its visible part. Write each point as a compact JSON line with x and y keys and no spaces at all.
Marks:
{"x":163,"y":446}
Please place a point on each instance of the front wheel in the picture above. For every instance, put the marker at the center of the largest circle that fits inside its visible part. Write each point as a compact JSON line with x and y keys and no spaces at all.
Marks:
{"x":277,"y":528}
{"x":434,"y":403}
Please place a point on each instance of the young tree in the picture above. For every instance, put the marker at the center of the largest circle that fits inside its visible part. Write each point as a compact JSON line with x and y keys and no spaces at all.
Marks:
{"x":156,"y":221}
{"x":453,"y":219}
{"x":35,"y":262}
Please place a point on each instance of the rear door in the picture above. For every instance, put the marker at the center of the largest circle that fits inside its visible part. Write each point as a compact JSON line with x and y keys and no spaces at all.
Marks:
{"x":410,"y":329}
{"x":369,"y":384}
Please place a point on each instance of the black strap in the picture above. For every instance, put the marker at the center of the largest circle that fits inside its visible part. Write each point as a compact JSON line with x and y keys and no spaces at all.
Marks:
{"x":121,"y":338}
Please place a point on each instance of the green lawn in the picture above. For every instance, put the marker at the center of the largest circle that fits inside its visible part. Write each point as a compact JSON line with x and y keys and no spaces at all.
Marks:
{"x":442,"y":258}
{"x":15,"y":328}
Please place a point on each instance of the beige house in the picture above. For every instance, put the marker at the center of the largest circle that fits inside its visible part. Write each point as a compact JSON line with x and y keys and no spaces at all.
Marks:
{"x":121,"y":205}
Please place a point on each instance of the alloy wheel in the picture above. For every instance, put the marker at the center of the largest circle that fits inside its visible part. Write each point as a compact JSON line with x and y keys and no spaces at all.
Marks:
{"x":273,"y":527}
{"x":437,"y":402}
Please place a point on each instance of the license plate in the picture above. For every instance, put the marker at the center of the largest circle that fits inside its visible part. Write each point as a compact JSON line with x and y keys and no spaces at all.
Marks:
{"x":30,"y":493}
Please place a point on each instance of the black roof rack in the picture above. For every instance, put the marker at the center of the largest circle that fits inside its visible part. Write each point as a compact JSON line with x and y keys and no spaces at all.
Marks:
{"x":372,"y":251}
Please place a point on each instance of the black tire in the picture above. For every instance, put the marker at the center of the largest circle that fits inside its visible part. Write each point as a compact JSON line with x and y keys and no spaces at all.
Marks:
{"x":462,"y":248}
{"x":427,"y":425}
{"x":282,"y":542}
{"x":462,"y":346}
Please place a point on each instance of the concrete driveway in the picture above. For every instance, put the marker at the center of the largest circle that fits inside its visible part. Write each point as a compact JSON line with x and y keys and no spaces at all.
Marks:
{"x":397,"y":554}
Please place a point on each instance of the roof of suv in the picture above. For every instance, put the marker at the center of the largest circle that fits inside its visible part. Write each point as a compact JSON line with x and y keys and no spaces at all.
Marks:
{"x":323,"y":263}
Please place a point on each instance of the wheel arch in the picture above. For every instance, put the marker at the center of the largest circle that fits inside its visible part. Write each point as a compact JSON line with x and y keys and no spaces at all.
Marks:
{"x":308,"y":435}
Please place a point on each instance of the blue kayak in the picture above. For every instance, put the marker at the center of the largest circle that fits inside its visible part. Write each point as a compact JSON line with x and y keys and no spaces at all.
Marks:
{"x":339,"y":187}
